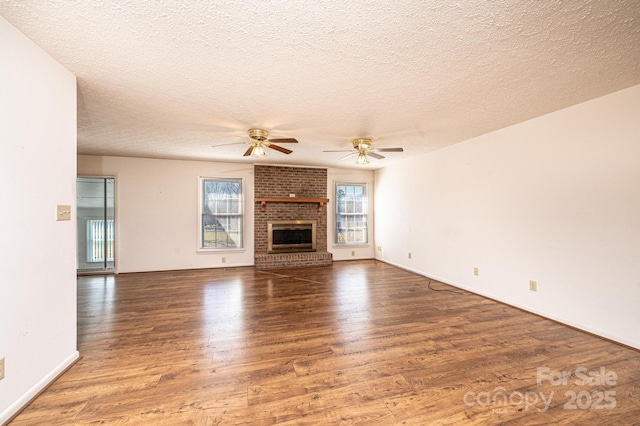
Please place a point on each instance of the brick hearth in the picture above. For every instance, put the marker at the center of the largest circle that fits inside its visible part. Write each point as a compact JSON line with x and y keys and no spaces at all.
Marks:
{"x":277,"y":181}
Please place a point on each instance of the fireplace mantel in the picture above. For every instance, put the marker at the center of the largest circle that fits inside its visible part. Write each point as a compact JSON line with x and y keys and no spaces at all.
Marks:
{"x":264,"y":200}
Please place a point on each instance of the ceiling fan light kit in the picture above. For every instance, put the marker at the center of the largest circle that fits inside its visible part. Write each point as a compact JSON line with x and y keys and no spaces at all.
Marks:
{"x":362,"y":159}
{"x":258,"y":151}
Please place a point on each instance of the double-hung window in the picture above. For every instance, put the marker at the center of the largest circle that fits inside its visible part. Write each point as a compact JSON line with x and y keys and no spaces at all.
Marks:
{"x":351,"y":213}
{"x":221,"y":214}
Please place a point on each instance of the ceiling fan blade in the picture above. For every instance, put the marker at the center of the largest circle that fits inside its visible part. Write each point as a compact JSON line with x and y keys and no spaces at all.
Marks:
{"x":284,"y":140}
{"x":374,"y":155}
{"x":347,"y":156}
{"x":248,"y":152}
{"x":279,"y":148}
{"x":388,"y":150}
{"x":227,"y":144}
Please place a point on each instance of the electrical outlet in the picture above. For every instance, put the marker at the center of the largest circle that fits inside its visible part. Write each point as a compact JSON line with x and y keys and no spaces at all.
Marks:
{"x":476,"y":271}
{"x":1,"y":368}
{"x":533,"y":285}
{"x":379,"y":248}
{"x":353,"y":253}
{"x":224,"y":260}
{"x":409,"y":255}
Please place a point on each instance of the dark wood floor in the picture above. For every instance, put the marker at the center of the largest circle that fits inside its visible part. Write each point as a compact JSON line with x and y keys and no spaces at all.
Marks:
{"x":354,"y":343}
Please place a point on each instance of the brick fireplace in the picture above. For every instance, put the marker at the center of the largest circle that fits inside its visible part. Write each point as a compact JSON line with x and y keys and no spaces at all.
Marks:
{"x":281,"y":182}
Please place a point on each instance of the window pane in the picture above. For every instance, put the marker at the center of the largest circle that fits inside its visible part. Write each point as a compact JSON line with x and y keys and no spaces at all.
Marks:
{"x":351,"y":213}
{"x":222,"y":196}
{"x":97,"y":246}
{"x":222,"y":213}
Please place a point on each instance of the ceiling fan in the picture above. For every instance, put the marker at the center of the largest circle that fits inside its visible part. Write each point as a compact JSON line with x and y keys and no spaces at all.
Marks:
{"x":363,"y":149}
{"x":258,"y":141}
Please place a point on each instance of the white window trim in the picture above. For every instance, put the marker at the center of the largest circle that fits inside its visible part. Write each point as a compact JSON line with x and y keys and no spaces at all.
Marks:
{"x":351,"y":246}
{"x":348,"y":246}
{"x":213,"y":250}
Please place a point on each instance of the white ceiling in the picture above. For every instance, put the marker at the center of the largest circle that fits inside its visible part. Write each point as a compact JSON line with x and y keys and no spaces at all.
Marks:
{"x":169,"y":79}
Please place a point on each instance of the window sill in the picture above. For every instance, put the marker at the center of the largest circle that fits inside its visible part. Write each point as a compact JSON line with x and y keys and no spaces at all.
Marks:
{"x":347,"y":246}
{"x":216,"y":251}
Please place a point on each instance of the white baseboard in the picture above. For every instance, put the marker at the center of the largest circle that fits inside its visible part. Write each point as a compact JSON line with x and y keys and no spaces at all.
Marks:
{"x":25,"y":399}
{"x":565,"y":321}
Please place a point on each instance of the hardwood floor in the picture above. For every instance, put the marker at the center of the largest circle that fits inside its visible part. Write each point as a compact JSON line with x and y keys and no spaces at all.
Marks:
{"x":358,"y":342}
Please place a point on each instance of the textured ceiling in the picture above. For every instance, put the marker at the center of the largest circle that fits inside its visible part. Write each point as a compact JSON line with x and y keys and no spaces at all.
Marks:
{"x":170,"y":79}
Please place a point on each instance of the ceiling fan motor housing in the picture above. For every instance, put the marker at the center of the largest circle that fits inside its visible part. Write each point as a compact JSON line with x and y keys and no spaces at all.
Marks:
{"x":362,"y":143}
{"x":258,"y":134}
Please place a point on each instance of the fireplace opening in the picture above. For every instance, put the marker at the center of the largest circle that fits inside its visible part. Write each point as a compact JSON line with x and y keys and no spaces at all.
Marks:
{"x":287,"y":236}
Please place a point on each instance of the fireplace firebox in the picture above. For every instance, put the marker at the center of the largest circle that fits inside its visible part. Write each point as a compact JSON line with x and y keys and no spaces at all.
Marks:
{"x":290,"y":236}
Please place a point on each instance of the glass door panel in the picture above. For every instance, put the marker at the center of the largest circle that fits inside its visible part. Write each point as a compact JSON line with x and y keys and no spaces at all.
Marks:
{"x":96,"y":224}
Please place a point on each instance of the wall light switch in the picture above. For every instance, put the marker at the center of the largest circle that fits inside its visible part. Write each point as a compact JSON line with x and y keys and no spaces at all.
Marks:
{"x":63,"y":212}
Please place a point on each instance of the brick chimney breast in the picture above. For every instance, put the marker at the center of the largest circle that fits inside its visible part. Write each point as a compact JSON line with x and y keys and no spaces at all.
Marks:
{"x":279,"y":181}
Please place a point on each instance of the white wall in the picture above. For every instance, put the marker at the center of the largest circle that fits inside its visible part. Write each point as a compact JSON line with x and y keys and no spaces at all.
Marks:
{"x":157,"y":211}
{"x":37,"y":172}
{"x":555,"y":199}
{"x":341,"y":252}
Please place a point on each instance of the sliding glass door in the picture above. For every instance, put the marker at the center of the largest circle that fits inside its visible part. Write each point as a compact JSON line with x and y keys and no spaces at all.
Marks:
{"x":96,"y":224}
